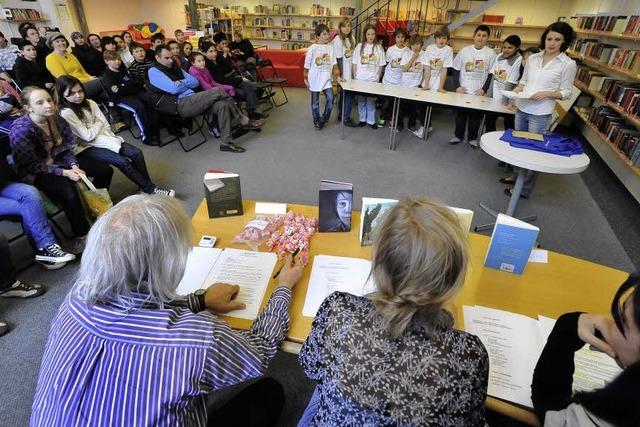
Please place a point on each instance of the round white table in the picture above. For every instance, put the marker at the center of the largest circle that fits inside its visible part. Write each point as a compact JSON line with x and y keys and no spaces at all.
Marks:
{"x":525,"y":159}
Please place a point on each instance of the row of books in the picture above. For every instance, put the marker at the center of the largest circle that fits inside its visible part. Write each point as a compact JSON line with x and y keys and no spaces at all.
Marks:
{"x":614,"y":24}
{"x":15,"y":14}
{"x":292,"y":46}
{"x":609,"y":54}
{"x":284,"y":35}
{"x":624,"y":93}
{"x":617,"y":131}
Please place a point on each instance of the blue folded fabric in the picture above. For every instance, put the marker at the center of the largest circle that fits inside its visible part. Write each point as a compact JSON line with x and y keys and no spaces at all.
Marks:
{"x":552,"y":144}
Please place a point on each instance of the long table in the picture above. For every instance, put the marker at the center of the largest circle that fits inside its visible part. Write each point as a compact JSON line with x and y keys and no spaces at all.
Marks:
{"x":563,"y":285}
{"x":399,"y":93}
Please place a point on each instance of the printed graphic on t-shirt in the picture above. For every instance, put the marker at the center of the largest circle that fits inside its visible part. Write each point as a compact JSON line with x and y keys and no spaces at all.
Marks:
{"x":475,"y":69}
{"x":436,"y":63}
{"x":348,"y":53}
{"x":371,"y":58}
{"x":501,"y":75}
{"x":395,"y":63}
{"x":417,"y":67}
{"x":324,"y":59}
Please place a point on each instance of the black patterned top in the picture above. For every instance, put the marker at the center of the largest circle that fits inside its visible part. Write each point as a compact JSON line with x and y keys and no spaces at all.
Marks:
{"x":366,"y":378}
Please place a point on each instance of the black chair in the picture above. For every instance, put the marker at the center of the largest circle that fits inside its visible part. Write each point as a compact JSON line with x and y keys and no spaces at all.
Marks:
{"x":274,"y":80}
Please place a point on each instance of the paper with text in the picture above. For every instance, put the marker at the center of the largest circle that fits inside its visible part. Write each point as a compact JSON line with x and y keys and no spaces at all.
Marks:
{"x":248,"y":269}
{"x":593,"y":369}
{"x":333,"y":273}
{"x":199,"y":263}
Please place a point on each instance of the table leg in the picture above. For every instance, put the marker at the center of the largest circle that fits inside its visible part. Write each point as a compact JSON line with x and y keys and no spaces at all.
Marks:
{"x":427,"y":124}
{"x":344,"y":94}
{"x":394,"y":124}
{"x":396,"y":114}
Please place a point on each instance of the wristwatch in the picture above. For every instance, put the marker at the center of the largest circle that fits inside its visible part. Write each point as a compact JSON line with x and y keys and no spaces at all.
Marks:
{"x":200,"y":297}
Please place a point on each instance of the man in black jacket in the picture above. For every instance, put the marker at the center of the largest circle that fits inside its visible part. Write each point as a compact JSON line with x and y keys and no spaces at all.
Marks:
{"x":29,"y":32}
{"x":89,"y":57}
{"x":125,"y":88}
{"x":29,"y":71}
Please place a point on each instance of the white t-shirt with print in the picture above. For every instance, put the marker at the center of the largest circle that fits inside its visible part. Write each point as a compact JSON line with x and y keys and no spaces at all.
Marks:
{"x":474,"y":66}
{"x":506,"y":74}
{"x":413,"y":76}
{"x":438,"y":59}
{"x":393,"y":71}
{"x":368,"y":58}
{"x":319,"y":60}
{"x":344,"y":49}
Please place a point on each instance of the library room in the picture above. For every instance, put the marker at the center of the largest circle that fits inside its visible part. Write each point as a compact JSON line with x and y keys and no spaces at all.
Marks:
{"x":319,"y":213}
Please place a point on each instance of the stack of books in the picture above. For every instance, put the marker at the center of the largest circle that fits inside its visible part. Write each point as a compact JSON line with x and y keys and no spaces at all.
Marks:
{"x":617,"y":131}
{"x":14,"y":14}
{"x":609,"y":54}
{"x":626,"y":95}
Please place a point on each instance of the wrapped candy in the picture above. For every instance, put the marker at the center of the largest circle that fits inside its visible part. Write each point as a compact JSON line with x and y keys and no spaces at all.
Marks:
{"x":259,"y":230}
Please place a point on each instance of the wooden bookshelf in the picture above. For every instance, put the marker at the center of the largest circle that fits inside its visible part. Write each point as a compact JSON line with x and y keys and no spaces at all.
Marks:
{"x":19,"y":21}
{"x":493,"y":40}
{"x":632,"y":119}
{"x":280,"y":40}
{"x":609,"y":34}
{"x":296,"y":15}
{"x":597,"y":64}
{"x":425,"y":21}
{"x":490,"y":24}
{"x":276,"y":27}
{"x":604,"y":139}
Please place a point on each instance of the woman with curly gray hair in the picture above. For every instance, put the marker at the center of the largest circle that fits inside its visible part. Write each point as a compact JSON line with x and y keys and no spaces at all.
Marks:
{"x":393,"y":357}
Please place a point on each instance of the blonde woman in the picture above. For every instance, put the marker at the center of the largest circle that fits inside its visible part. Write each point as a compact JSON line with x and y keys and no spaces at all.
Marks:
{"x":343,"y":45}
{"x":393,"y":357}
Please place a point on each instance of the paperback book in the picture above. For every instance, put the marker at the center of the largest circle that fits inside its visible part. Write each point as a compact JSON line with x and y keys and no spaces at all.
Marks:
{"x":335,"y":203}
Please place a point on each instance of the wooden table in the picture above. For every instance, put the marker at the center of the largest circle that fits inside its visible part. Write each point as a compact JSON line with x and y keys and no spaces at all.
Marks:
{"x":563,"y":285}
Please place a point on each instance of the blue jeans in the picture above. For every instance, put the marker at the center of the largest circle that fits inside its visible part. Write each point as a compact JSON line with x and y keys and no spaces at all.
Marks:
{"x":315,"y":105}
{"x":348,"y":102}
{"x":367,"y":109}
{"x":129,"y":160}
{"x":536,"y":124}
{"x":18,"y":199}
{"x":311,"y":410}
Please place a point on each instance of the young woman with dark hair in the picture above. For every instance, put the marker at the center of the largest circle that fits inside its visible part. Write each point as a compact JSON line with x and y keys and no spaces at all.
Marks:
{"x":616,"y":404}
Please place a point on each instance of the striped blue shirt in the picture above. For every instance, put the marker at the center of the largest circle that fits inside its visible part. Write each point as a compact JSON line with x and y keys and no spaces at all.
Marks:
{"x":105,"y":365}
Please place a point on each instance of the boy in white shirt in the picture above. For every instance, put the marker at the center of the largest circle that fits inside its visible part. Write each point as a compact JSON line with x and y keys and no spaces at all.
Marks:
{"x":413,"y":63}
{"x":471,"y":71}
{"x":440,"y":58}
{"x":505,"y":75}
{"x":393,"y":70}
{"x":319,"y":66}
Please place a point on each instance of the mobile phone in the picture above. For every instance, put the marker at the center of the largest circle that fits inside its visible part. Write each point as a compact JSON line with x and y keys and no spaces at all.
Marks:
{"x":207,"y":241}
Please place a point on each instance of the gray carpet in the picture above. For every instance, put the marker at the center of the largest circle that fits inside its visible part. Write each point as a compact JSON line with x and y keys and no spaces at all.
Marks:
{"x":285,"y":163}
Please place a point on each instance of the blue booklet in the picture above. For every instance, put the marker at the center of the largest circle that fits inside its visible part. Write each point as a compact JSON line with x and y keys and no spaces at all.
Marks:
{"x":511,"y":244}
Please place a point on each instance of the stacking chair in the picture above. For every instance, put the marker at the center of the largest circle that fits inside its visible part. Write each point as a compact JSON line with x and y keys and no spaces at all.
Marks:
{"x":273,"y":81}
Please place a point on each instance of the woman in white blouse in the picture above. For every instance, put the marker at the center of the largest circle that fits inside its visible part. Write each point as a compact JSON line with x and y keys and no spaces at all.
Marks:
{"x":548,"y":76}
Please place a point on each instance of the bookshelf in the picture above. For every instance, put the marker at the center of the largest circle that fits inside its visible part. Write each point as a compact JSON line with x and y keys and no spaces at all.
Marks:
{"x":14,"y":15}
{"x":529,"y":34}
{"x":608,"y":52}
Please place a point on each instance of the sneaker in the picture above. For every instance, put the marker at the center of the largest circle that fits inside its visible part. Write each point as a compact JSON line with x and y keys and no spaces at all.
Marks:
{"x":419,"y":132}
{"x":455,"y":140}
{"x":473,"y":143}
{"x":162,"y":192}
{"x":316,"y":125}
{"x":120,"y":126}
{"x":258,"y":115}
{"x":231,"y":147}
{"x":53,"y":253}
{"x":252,"y":125}
{"x":52,"y":265}
{"x":4,"y":328}
{"x":22,"y":290}
{"x":381,"y":122}
{"x":214,"y":130}
{"x":152,"y":140}
{"x":321,"y":124}
{"x":79,"y":244}
{"x":373,"y":126}
{"x":350,"y":124}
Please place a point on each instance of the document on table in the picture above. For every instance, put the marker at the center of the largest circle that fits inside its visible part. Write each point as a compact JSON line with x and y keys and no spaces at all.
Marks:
{"x":593,"y":369}
{"x":333,"y":273}
{"x":513,"y":343}
{"x":516,"y":95}
{"x":199,"y":264}
{"x":248,"y":269}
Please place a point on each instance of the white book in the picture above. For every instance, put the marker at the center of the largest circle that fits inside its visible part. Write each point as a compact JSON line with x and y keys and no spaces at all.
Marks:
{"x":333,"y":273}
{"x":465,"y":216}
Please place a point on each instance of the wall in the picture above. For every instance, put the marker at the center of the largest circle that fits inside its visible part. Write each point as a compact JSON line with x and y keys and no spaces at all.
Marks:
{"x":622,"y":7}
{"x":103,"y":15}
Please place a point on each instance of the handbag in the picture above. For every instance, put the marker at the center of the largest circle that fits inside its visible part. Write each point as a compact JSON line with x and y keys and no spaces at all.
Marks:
{"x":96,"y":201}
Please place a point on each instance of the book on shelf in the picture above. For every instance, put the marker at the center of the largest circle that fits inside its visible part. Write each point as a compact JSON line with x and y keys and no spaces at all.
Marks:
{"x":511,"y":244}
{"x":222,"y":192}
{"x":335,"y":203}
{"x":18,"y":14}
{"x":617,"y":131}
{"x":633,"y":26}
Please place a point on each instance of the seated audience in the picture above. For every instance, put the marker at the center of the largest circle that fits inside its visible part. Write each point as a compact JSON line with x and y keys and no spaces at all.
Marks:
{"x":199,"y":70}
{"x":8,"y":54}
{"x":244,"y":52}
{"x":220,"y":67}
{"x":156,"y":40}
{"x":23,"y":200}
{"x":179,"y":35}
{"x":10,"y":286}
{"x":123,"y":50}
{"x":393,"y":357}
{"x":187,"y":50}
{"x":618,"y":402}
{"x":173,"y":88}
{"x":28,"y":71}
{"x":92,"y":129}
{"x":176,"y":52}
{"x":42,"y":145}
{"x":201,"y":41}
{"x":131,"y":301}
{"x":141,"y":64}
{"x":108,"y":43}
{"x":95,"y":41}
{"x":29,"y":32}
{"x":125,"y":88}
{"x":128,"y":39}
{"x":60,"y":63}
{"x":10,"y":110}
{"x":89,"y":57}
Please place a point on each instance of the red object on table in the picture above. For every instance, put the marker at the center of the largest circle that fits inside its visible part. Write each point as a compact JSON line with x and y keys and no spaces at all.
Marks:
{"x":289,"y":64}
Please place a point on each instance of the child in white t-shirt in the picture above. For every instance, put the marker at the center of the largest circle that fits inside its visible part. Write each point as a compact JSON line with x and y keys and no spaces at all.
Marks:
{"x":505,"y":75}
{"x":393,"y":70}
{"x":343,"y":45}
{"x":413,"y":64}
{"x":368,"y":61}
{"x":319,"y":66}
{"x":440,"y":57}
{"x":471,"y":71}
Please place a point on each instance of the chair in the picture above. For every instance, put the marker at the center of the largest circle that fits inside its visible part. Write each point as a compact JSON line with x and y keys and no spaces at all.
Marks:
{"x":193,"y":130}
{"x":109,"y":102}
{"x":273,"y":80}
